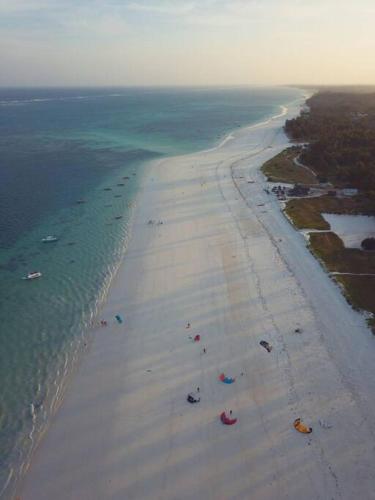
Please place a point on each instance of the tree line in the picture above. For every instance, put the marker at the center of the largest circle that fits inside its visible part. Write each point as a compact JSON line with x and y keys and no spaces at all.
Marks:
{"x":340,"y":130}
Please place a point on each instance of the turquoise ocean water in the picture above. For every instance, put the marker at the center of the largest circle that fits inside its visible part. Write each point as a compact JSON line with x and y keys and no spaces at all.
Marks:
{"x":59,"y":147}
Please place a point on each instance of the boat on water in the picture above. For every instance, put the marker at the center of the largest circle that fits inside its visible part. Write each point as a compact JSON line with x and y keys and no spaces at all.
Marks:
{"x":49,"y":239}
{"x":32,"y":275}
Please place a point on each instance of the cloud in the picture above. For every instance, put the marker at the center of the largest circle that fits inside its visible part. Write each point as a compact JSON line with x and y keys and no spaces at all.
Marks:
{"x":169,"y":8}
{"x":161,"y":41}
{"x":223,"y":13}
{"x":64,"y":19}
{"x":231,"y":12}
{"x":68,"y":14}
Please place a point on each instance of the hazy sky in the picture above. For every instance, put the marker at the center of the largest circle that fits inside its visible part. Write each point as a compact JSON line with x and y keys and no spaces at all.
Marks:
{"x":131,"y":42}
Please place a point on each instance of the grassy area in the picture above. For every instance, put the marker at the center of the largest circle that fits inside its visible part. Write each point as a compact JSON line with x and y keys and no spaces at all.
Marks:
{"x":330,"y":248}
{"x":306,"y":212}
{"x":359,"y":290}
{"x":282,"y":168}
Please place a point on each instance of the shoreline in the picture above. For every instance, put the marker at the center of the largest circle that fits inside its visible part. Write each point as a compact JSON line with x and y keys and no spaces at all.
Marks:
{"x":72,"y":355}
{"x":200,"y":265}
{"x":83,"y":343}
{"x":94,"y":328}
{"x":40,"y":428}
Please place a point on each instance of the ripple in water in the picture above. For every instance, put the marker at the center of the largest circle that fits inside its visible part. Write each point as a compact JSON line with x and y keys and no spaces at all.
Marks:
{"x":45,"y":320}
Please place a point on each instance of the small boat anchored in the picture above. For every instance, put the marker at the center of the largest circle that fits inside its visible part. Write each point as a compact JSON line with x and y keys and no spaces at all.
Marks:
{"x":32,"y":275}
{"x":49,"y":239}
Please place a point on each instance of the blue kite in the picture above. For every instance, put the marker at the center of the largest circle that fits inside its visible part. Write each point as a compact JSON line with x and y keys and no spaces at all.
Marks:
{"x":119,"y":319}
{"x":225,"y":379}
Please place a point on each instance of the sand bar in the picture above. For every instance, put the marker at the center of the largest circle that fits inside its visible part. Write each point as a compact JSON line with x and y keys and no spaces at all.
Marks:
{"x":226,"y":261}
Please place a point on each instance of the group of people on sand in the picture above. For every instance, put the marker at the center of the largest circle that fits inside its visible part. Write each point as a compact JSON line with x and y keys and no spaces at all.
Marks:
{"x":194,"y":397}
{"x":227,"y":419}
{"x":152,"y":222}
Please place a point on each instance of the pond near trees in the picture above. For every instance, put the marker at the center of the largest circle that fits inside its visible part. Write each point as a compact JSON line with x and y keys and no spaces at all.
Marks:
{"x":352,"y":229}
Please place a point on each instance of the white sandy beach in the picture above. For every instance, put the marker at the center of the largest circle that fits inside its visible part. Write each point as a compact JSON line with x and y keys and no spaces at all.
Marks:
{"x":226,"y":260}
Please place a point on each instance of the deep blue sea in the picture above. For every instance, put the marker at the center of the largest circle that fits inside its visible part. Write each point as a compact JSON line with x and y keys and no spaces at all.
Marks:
{"x":70,"y":165}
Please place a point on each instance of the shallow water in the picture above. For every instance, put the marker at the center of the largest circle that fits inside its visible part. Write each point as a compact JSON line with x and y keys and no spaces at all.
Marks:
{"x":57,"y":147}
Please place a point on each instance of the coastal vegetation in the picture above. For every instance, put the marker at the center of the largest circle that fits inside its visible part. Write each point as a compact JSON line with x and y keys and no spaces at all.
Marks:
{"x":338,"y":133}
{"x":359,"y":291}
{"x":306,"y":213}
{"x":368,"y":244}
{"x":283,"y":168}
{"x":355,"y":268}
{"x":340,"y":130}
{"x":330,"y":248}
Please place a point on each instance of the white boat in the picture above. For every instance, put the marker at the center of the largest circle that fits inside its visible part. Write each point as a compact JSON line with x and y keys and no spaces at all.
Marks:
{"x":49,"y":239}
{"x":32,"y":275}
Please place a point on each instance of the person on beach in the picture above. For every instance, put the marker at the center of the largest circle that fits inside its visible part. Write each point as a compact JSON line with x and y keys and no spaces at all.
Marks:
{"x":188,"y":325}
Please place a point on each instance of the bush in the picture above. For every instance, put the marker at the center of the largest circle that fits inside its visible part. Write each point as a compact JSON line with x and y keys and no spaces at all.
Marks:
{"x":368,"y":244}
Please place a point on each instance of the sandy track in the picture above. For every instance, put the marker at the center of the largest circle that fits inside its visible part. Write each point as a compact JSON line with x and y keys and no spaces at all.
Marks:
{"x":239,"y":274}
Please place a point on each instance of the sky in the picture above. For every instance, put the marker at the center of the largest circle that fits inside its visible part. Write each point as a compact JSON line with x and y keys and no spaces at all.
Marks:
{"x":186,"y":42}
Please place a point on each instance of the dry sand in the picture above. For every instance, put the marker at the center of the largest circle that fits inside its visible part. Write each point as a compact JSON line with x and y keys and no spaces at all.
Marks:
{"x":227,"y":261}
